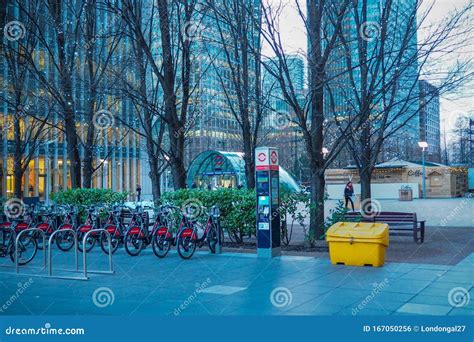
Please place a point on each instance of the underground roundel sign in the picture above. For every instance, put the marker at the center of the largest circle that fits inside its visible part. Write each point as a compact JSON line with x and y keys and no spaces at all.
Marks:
{"x":274,"y":157}
{"x":218,"y":160}
{"x":262,"y":157}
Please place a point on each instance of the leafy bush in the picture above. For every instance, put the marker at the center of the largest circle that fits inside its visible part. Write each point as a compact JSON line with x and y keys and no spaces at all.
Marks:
{"x":88,"y":196}
{"x":237,"y":207}
{"x":335,"y":215}
{"x":294,"y":208}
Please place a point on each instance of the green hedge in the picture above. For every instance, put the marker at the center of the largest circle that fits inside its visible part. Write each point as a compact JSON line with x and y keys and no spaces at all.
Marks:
{"x":237,"y":207}
{"x":88,"y":196}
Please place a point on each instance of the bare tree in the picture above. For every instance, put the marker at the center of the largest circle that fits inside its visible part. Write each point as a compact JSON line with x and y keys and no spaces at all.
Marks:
{"x":309,"y":115}
{"x":171,"y":65}
{"x":238,"y":36}
{"x":28,"y":132}
{"x":101,"y":47}
{"x":55,"y":25}
{"x":380,"y":88}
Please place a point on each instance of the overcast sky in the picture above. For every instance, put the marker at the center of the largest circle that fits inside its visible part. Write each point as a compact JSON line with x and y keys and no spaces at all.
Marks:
{"x":294,"y":37}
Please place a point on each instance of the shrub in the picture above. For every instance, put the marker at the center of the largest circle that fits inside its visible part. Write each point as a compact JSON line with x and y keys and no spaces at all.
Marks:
{"x":237,"y":207}
{"x":294,"y":208}
{"x":88,"y":196}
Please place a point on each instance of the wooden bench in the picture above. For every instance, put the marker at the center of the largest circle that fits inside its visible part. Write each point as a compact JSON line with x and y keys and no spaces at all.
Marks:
{"x":399,"y":223}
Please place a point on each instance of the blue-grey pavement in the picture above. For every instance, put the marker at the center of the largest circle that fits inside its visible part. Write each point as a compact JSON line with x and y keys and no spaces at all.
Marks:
{"x":238,"y":284}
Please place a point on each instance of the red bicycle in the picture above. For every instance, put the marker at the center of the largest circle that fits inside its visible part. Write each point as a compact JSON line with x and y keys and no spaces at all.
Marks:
{"x":194,"y":234}
{"x":115,"y":227}
{"x":90,"y":223}
{"x":163,"y":237}
{"x":65,"y":239}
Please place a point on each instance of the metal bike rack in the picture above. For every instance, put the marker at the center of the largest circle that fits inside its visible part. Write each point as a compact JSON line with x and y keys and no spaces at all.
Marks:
{"x":43,"y":234}
{"x":84,"y":253}
{"x":50,"y":258}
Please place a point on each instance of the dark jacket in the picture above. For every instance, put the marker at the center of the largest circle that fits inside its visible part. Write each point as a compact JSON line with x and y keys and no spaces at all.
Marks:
{"x":348,"y":191}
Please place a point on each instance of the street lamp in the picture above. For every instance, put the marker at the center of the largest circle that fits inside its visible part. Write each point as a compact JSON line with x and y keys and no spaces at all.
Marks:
{"x":325,"y":152}
{"x":423,"y":145}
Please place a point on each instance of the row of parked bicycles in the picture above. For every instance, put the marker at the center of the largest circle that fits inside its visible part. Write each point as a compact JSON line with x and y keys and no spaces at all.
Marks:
{"x":131,"y":228}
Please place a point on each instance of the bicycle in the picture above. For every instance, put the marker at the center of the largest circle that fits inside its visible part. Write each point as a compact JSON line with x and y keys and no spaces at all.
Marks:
{"x":194,"y":235}
{"x":115,"y":227}
{"x":27,"y":244}
{"x":90,"y":223}
{"x":137,"y":236}
{"x":65,"y":240}
{"x":163,"y":237}
{"x":46,"y":218}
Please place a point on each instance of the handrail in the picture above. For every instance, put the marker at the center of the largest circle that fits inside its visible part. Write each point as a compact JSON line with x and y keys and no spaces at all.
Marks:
{"x":17,"y":268}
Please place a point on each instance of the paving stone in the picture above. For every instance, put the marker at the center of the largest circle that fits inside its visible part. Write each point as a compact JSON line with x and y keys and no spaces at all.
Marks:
{"x":424,"y":309}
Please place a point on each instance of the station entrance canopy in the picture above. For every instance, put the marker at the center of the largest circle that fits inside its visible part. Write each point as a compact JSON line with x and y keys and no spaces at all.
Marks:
{"x":226,"y":169}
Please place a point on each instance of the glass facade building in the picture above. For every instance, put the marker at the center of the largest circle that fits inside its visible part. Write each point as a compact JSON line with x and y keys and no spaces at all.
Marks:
{"x":400,"y":94}
{"x":430,"y":120}
{"x":116,"y":156}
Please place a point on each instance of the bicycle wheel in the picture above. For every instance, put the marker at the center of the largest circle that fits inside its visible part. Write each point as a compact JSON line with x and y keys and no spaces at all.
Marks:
{"x":39,"y":239}
{"x":212,"y":238}
{"x":133,"y":244}
{"x":90,"y":242}
{"x":186,"y":244}
{"x":65,"y":240}
{"x":161,"y":245}
{"x":104,"y":242}
{"x":27,"y":248}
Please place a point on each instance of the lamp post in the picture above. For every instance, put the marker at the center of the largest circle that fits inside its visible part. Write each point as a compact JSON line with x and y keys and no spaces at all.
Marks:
{"x":325,"y":152}
{"x":424,"y":146}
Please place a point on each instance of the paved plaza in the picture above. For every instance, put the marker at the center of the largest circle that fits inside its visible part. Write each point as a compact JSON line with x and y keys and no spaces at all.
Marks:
{"x":241,"y":284}
{"x":437,"y":212}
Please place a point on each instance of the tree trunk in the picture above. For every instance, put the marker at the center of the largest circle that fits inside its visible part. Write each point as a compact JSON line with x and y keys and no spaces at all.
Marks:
{"x":316,"y":230}
{"x":73,"y":150}
{"x":178,"y":171}
{"x":365,"y":192}
{"x":88,"y":171}
{"x":249,"y":164}
{"x":88,"y":148}
{"x":18,"y":175}
{"x":155,"y":178}
{"x":17,"y":165}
